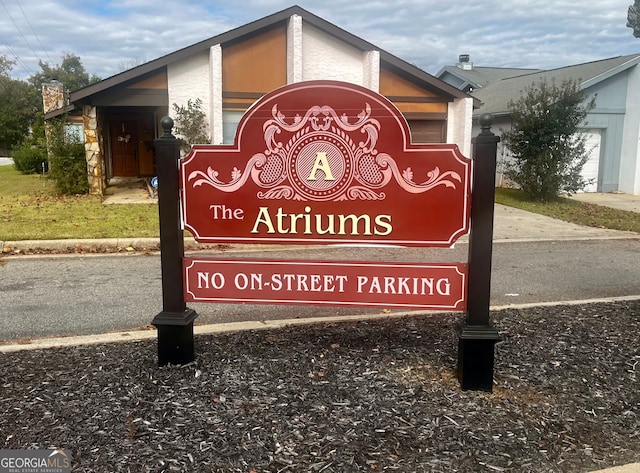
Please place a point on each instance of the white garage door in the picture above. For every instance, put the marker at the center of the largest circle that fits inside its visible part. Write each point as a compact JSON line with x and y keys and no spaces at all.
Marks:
{"x":590,"y":169}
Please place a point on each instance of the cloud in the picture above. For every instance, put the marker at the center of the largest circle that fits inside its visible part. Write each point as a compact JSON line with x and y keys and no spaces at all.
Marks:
{"x":428,"y":33}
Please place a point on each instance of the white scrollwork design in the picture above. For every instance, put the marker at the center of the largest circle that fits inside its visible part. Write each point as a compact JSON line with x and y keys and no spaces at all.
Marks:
{"x":374,"y":170}
{"x":363,"y":193}
{"x":282,"y":192}
{"x":320,"y":119}
{"x":405,"y":178}
{"x":238,"y":178}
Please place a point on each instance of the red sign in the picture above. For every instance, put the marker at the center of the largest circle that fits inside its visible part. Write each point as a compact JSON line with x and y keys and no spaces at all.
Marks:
{"x":410,"y":285}
{"x":326,"y":162}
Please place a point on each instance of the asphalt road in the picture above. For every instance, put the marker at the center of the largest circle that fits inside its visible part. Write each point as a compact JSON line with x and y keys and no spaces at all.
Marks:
{"x":79,"y":295}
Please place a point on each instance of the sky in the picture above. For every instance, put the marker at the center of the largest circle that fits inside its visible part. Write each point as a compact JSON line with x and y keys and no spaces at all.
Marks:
{"x":111,"y":36}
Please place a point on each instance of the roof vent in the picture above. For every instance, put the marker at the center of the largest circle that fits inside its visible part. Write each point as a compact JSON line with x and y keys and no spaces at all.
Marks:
{"x":464,"y":62}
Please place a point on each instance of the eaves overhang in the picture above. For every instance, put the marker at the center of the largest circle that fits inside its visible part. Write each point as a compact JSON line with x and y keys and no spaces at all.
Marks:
{"x":255,"y":28}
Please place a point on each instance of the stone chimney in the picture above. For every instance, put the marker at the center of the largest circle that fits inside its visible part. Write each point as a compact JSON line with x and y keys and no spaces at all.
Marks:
{"x":53,"y":96}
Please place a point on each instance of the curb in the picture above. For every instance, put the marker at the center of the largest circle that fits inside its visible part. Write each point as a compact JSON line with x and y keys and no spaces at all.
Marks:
{"x":72,"y":243}
{"x":630,"y":468}
{"x":146,"y":334}
{"x":190,"y":243}
{"x":135,"y":243}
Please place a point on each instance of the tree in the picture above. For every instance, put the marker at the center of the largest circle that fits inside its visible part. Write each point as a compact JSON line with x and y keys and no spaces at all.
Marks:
{"x":131,"y":63}
{"x":67,"y":163}
{"x":70,"y":72}
{"x":633,"y":18}
{"x":6,"y":65}
{"x":19,"y":104}
{"x":548,"y":150}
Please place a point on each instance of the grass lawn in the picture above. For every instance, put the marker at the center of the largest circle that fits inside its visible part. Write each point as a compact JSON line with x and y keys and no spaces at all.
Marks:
{"x":573,"y":211}
{"x":30,"y":210}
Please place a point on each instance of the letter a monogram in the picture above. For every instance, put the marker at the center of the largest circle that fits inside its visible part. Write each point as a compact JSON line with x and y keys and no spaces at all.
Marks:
{"x":321,"y":164}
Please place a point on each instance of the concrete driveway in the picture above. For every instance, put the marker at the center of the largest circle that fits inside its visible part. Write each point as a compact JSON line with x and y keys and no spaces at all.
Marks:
{"x":611,"y":199}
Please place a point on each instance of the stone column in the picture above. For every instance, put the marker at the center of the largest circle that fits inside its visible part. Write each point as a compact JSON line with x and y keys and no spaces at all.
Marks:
{"x":93,"y":151}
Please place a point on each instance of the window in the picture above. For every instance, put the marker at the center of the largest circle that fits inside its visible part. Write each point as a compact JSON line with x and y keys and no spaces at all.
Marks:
{"x":230,"y":120}
{"x":74,"y":133}
{"x":428,"y":131}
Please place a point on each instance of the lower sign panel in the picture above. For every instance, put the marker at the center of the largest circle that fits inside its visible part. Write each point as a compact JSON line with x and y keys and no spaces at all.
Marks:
{"x":408,"y":285}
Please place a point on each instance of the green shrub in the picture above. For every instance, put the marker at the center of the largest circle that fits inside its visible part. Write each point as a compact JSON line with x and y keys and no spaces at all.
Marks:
{"x":191,"y":124}
{"x":68,"y":165}
{"x":30,"y":159}
{"x":545,"y":140}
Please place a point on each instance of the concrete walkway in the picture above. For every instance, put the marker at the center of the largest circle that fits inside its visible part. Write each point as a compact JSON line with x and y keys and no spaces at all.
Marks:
{"x":611,"y":199}
{"x":511,"y":224}
{"x":124,"y":190}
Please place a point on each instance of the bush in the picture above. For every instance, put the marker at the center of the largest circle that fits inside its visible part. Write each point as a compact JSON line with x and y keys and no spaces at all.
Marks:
{"x":29,"y":159}
{"x":68,"y":165}
{"x":191,"y":124}
{"x":546,"y":142}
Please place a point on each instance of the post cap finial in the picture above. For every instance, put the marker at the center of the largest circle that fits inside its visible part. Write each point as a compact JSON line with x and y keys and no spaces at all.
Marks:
{"x":167,"y":125}
{"x":485,"y":120}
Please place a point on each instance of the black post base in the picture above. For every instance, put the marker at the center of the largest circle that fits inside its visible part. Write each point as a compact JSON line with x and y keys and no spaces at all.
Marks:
{"x":476,"y":357}
{"x":175,"y":337}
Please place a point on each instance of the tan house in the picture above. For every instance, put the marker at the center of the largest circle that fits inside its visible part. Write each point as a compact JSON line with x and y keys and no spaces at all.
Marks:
{"x":119,"y":116}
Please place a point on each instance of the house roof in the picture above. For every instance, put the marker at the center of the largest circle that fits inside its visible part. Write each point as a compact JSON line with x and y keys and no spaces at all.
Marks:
{"x":257,"y":27}
{"x":496,"y":95}
{"x":479,"y":76}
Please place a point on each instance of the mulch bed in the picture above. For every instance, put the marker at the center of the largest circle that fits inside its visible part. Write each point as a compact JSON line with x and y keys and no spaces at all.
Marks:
{"x":356,"y":396}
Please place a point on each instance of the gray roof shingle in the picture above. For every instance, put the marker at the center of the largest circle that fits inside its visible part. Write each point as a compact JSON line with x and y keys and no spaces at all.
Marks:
{"x":480,"y":75}
{"x":496,"y":95}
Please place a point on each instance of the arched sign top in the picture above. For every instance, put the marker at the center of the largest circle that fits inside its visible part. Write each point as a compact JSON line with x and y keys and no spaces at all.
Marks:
{"x":330,"y":162}
{"x":303,"y":98}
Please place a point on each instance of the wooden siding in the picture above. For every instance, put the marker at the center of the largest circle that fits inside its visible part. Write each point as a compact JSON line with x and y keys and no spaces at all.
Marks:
{"x":253,"y":68}
{"x":428,"y":131}
{"x":149,"y":91}
{"x":156,"y":81}
{"x":425,"y":111}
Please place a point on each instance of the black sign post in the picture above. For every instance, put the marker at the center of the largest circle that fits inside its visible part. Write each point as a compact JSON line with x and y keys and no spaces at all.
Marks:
{"x":175,"y":322}
{"x":478,"y":336}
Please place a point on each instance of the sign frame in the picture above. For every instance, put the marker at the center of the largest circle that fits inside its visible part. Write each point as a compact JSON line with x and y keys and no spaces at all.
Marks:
{"x":310,"y":162}
{"x":477,"y":336}
{"x":417,"y":286}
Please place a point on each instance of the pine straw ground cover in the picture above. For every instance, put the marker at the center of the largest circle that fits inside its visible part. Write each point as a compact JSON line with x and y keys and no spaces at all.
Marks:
{"x":358,"y":396}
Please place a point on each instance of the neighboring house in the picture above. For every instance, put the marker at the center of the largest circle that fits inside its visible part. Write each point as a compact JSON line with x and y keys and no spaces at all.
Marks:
{"x":229,"y":72}
{"x":612,"y":127}
{"x":467,"y":77}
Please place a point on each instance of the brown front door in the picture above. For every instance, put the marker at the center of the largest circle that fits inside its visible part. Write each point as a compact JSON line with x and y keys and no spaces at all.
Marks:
{"x":124,"y":147}
{"x":146,"y":133}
